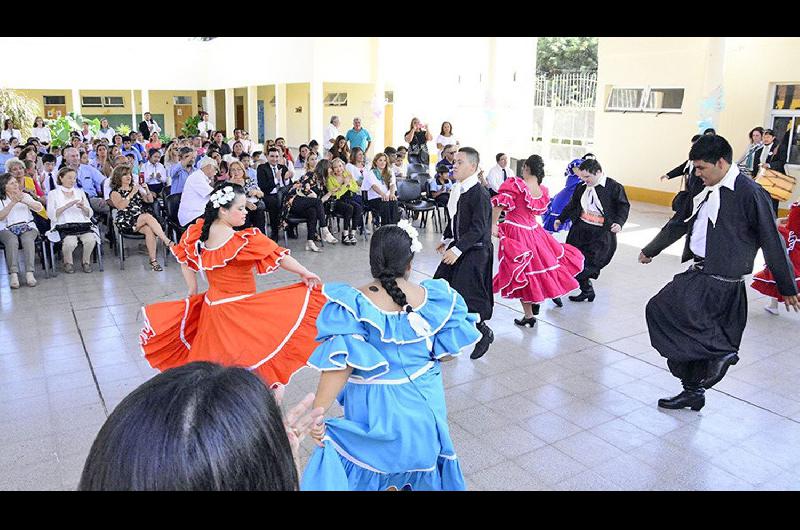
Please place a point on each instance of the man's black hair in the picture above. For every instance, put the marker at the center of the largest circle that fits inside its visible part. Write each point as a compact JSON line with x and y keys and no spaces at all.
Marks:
{"x":710,"y":148}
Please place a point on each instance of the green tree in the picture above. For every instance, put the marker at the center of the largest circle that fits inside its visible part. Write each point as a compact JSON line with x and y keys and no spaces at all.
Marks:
{"x":21,"y":109}
{"x":558,"y":54}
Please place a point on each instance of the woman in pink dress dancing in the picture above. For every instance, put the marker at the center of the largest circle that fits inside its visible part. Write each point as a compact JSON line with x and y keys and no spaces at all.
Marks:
{"x":533,"y":265}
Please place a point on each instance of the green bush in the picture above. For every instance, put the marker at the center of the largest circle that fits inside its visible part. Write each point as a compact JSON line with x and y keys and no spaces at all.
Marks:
{"x":190,"y":126}
{"x":123,"y":129}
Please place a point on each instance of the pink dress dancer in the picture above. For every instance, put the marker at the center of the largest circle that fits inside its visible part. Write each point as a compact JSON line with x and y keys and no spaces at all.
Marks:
{"x":533,"y":265}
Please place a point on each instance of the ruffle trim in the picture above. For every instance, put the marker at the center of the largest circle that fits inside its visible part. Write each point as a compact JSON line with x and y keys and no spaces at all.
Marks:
{"x":187,"y":251}
{"x":341,"y":351}
{"x":522,"y":188}
{"x":437,"y":309}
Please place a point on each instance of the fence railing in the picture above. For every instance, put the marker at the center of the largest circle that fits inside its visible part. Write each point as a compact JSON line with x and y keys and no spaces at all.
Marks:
{"x":568,"y":89}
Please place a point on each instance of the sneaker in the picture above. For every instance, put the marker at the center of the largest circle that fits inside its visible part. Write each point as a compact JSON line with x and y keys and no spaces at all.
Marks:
{"x":770,"y":309}
{"x":30,"y":279}
{"x":311,"y":246}
{"x":87,"y":267}
{"x":69,"y":268}
{"x":13,"y":280}
{"x":328,"y":237}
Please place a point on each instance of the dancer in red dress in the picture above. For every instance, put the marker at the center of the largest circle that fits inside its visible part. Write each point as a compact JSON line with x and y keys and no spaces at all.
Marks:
{"x":763,"y":282}
{"x":272,"y":333}
{"x":533,"y":265}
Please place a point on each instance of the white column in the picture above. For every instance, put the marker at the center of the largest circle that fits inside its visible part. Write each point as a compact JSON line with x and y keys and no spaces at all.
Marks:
{"x":211,"y":105}
{"x":315,"y":111}
{"x":252,"y":112}
{"x":230,"y":112}
{"x":76,"y":101}
{"x":145,"y":100}
{"x":377,"y":117}
{"x":134,"y":125}
{"x":280,"y":110}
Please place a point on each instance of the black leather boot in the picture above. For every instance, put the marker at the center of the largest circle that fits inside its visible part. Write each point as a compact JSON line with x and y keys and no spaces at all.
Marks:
{"x":525,"y":321}
{"x":558,"y":302}
{"x":535,"y":309}
{"x":693,"y":396}
{"x":717,"y":368}
{"x":483,"y":345}
{"x":587,"y":292}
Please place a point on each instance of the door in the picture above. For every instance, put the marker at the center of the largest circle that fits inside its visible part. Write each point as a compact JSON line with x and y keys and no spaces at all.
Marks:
{"x":181,"y":114}
{"x":52,"y":112}
{"x":388,"y":123}
{"x":239,"y":117}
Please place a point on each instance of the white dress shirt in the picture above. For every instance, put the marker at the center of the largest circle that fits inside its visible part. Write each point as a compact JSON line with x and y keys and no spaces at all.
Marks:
{"x":108,"y":134}
{"x":331,"y":133}
{"x":7,"y":134}
{"x":495,"y":176}
{"x":590,"y":202}
{"x":205,"y":127}
{"x":706,"y":207}
{"x":452,"y":204}
{"x":19,"y":213}
{"x":358,"y":173}
{"x":370,"y":179}
{"x":194,"y":198}
{"x":444,"y":140}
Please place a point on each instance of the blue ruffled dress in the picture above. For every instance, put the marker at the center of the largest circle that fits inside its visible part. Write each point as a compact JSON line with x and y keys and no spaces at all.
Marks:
{"x":394,"y":431}
{"x":561,"y":199}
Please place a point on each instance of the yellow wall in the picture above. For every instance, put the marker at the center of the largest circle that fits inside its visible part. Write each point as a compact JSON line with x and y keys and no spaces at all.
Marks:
{"x":162,"y":102}
{"x":297,"y":95}
{"x":636,"y":148}
{"x":266,"y":93}
{"x":359,"y":104}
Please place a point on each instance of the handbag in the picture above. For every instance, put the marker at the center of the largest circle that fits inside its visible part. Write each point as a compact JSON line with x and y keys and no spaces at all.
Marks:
{"x":778,"y":185}
{"x":73,"y":229}
{"x":19,"y":228}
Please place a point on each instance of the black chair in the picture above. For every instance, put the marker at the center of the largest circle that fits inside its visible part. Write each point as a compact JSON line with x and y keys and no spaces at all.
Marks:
{"x":409,"y":198}
{"x":173,"y":226}
{"x":340,"y":219}
{"x":97,"y":255}
{"x":413,"y":159}
{"x":40,"y":244}
{"x":415,"y":169}
{"x":120,"y":238}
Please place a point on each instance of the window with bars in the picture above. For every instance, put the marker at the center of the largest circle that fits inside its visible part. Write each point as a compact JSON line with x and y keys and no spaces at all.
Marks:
{"x":335,"y":99}
{"x":55,"y":100}
{"x":645,"y":99}
{"x":102,"y":101}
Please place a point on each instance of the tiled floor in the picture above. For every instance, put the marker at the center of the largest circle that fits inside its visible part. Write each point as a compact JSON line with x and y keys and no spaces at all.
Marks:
{"x":569,"y":405}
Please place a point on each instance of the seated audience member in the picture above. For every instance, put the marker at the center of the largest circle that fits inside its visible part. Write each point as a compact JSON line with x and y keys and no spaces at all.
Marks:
{"x":71,"y":216}
{"x":127,"y":148}
{"x":347,"y":200}
{"x":499,"y":173}
{"x":101,"y":161}
{"x":171,"y":158}
{"x":129,"y":198}
{"x":358,"y":166}
{"x":135,"y":168}
{"x":256,"y":210}
{"x":41,"y":131}
{"x":5,"y":152}
{"x":140,"y":144}
{"x":154,"y":143}
{"x":247,"y":162}
{"x":273,"y":177}
{"x":17,"y":228}
{"x":281,"y":142}
{"x":340,"y":150}
{"x":302,"y":156}
{"x":449,"y":158}
{"x":219,"y":143}
{"x":305,"y":200}
{"x":155,"y":174}
{"x":237,"y":149}
{"x":441,"y":185}
{"x":223,"y":171}
{"x":313,"y":146}
{"x":47,"y":178}
{"x":381,"y":187}
{"x":182,"y":171}
{"x":179,"y":431}
{"x":400,"y":162}
{"x":196,"y":191}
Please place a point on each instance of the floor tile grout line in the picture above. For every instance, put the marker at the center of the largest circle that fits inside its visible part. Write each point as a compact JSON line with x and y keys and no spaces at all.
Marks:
{"x":633,"y":356}
{"x":89,"y":360}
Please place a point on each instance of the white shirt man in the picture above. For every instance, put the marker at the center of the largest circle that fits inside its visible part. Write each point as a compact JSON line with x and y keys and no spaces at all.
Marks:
{"x":205,"y":126}
{"x":196,"y":191}
{"x":498,"y":174}
{"x":331,"y":133}
{"x":151,"y":170}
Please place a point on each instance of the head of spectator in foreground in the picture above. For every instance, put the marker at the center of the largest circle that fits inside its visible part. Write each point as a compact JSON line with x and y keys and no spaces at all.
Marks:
{"x":67,"y":177}
{"x":237,"y":173}
{"x":712,"y":156}
{"x":466,"y":163}
{"x":198,"y":427}
{"x":127,"y":141}
{"x":590,"y":171}
{"x":121,"y":177}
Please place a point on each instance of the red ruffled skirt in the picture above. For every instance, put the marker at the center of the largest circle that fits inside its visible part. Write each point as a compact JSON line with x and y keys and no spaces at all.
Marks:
{"x":533,"y":266}
{"x":272,"y":333}
{"x":764,"y":282}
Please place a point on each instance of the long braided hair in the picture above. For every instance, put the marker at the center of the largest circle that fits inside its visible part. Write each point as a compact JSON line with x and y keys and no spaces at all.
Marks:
{"x":389,"y":257}
{"x":211,"y":213}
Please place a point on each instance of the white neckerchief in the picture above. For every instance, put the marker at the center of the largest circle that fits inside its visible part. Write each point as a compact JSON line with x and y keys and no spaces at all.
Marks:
{"x":765,"y":152}
{"x":456,"y":191}
{"x":65,"y":190}
{"x":590,"y":202}
{"x":712,"y":192}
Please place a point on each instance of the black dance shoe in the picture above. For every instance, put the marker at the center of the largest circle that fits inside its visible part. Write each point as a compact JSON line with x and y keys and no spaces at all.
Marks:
{"x":530,"y":322}
{"x":535,"y":309}
{"x":694,"y":399}
{"x":483,"y":345}
{"x":718,"y":367}
{"x":585,"y":295}
{"x":558,"y":302}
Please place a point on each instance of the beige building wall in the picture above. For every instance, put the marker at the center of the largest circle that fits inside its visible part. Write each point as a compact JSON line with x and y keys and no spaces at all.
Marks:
{"x":296,"y":122}
{"x":636,"y":148}
{"x":359,"y":104}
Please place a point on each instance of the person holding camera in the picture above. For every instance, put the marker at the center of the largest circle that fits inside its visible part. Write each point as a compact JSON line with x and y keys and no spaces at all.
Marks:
{"x":418,"y":137}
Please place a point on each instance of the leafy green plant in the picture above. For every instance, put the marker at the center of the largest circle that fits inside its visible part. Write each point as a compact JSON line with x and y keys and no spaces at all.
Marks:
{"x":123,"y":129}
{"x":21,"y":109}
{"x":61,"y":128}
{"x":190,"y":126}
{"x":165,"y":138}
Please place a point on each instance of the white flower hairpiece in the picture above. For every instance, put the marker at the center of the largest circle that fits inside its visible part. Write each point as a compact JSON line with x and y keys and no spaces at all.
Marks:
{"x":409,"y":229}
{"x":222,"y":196}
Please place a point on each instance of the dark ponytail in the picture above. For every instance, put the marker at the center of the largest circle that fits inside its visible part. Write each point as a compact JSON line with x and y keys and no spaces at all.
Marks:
{"x":389,"y":257}
{"x":211,"y":213}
